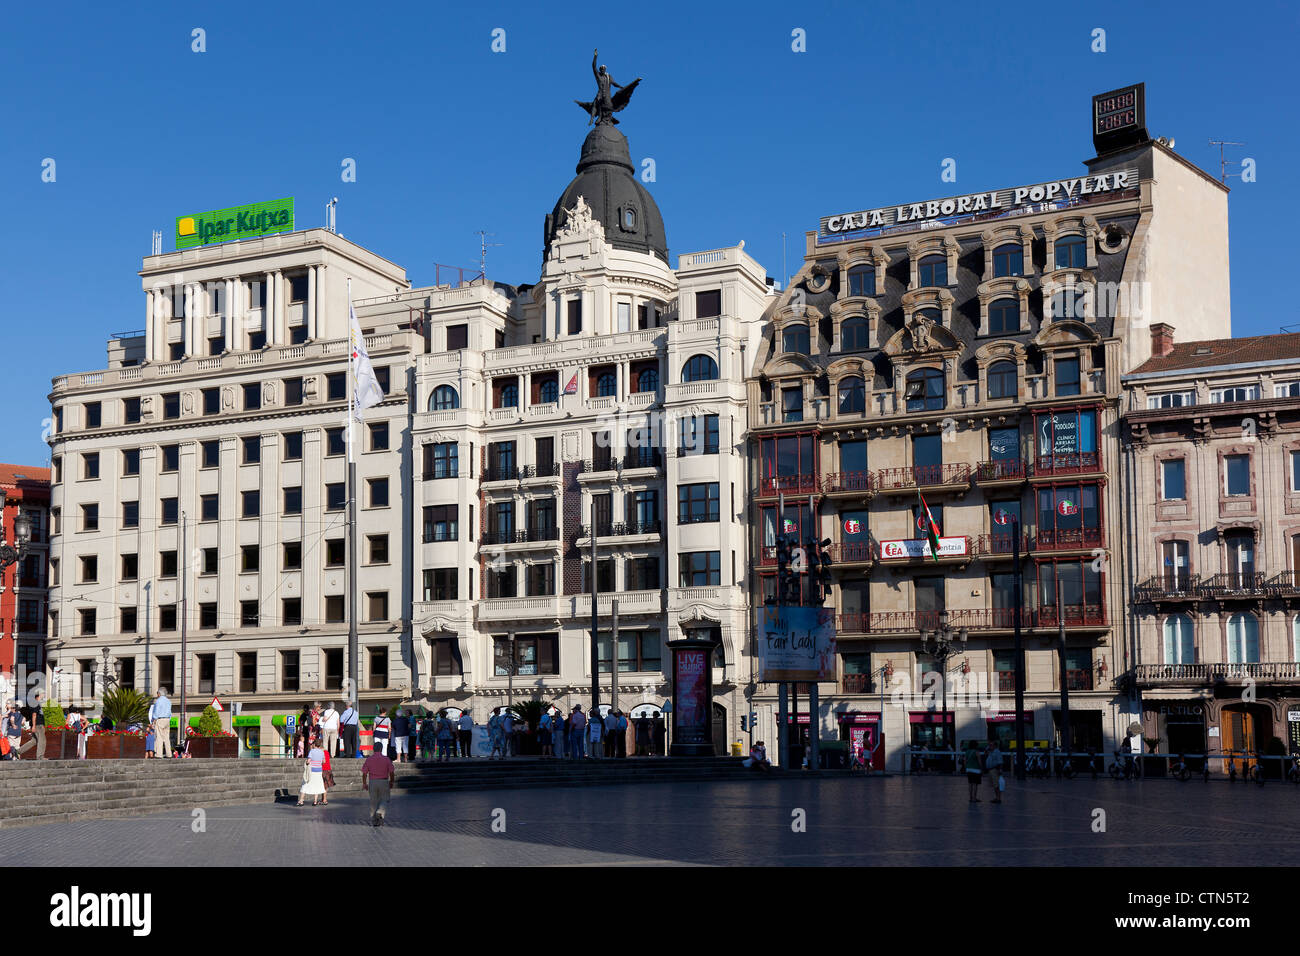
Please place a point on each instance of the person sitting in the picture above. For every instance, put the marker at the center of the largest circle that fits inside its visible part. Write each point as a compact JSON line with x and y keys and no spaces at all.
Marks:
{"x":758,"y":757}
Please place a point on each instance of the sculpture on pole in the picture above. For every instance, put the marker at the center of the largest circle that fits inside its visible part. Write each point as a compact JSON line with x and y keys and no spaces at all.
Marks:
{"x":604,"y":106}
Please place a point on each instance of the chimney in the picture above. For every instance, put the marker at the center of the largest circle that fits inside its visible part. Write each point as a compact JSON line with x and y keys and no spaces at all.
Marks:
{"x":1162,"y":339}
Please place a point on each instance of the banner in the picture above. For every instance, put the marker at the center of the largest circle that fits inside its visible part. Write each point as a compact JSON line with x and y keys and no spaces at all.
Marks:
{"x":796,"y":644}
{"x":919,"y":548}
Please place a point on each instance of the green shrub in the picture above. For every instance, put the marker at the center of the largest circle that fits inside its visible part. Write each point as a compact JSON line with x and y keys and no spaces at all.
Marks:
{"x":210,"y":723}
{"x":54,"y":716}
{"x":123,"y":705}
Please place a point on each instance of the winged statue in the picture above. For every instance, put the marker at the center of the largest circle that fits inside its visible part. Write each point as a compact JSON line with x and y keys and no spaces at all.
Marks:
{"x":604,"y":106}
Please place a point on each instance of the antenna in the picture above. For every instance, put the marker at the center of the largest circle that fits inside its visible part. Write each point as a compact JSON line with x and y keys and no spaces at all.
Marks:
{"x":483,"y":248}
{"x":1223,"y":163}
{"x":155,"y":246}
{"x":330,"y":223}
{"x":785,"y":276}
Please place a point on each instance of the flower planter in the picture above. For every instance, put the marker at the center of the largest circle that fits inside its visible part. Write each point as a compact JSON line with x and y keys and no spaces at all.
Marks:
{"x":109,"y":746}
{"x":214,"y":746}
{"x":132,"y":747}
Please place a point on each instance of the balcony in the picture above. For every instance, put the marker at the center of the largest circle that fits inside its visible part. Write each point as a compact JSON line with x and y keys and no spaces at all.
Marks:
{"x":1003,"y":472}
{"x":849,"y":482}
{"x":1006,"y":682}
{"x":501,"y":473}
{"x":522,"y":536}
{"x":508,"y":610}
{"x":904,"y":622}
{"x":1076,"y":615}
{"x":1282,"y":672}
{"x":597,"y":465}
{"x":857,"y":684}
{"x":1079,"y":463}
{"x":629,"y":603}
{"x":848,"y":552}
{"x":1285,"y":584}
{"x":772,"y":486}
{"x":544,"y":470}
{"x":1078,"y":539}
{"x":944,"y":477}
{"x":1078,"y":680}
{"x":643,"y":458}
{"x":620,"y":529}
{"x":1232,"y":584}
{"x":1001,"y":545}
{"x":1166,"y":587}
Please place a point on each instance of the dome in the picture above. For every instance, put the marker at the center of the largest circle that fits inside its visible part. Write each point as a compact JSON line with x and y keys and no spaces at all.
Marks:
{"x":606,"y":180}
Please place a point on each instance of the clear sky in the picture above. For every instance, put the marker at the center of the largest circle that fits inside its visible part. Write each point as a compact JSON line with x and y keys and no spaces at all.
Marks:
{"x":749,"y":138}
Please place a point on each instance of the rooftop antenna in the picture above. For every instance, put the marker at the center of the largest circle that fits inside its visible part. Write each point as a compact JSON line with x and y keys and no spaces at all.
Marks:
{"x":330,"y":223}
{"x":1223,"y":163}
{"x":785,"y":276}
{"x":155,"y":247}
{"x":483,"y":248}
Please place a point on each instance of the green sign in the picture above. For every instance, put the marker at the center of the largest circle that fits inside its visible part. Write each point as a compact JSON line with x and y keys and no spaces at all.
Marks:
{"x":237,"y":222}
{"x":247,"y":720}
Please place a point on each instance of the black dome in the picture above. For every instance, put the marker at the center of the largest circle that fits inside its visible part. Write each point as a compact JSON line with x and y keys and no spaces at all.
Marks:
{"x":606,"y":180}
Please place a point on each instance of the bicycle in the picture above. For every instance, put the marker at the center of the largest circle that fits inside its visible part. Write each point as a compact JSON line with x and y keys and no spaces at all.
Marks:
{"x":1180,"y":770}
{"x":1036,"y":765}
{"x":1293,"y":772}
{"x":1124,"y":767}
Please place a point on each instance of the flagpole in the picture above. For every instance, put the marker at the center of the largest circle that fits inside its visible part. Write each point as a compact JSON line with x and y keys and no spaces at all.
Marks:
{"x":353,"y":641}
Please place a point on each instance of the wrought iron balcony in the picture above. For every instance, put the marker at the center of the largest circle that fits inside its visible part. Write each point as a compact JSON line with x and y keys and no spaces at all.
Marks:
{"x":1233,"y":584}
{"x":608,"y":529}
{"x":838,"y":482}
{"x":643,"y":458}
{"x":1166,"y":587}
{"x":993,"y":545}
{"x":1285,"y":584}
{"x":771,"y":486}
{"x":922,"y":476}
{"x":851,"y":552}
{"x":1072,"y":464}
{"x":1078,"y":680}
{"x":544,"y":470}
{"x":901,"y":622}
{"x":501,"y":473}
{"x":1013,"y":469}
{"x":1069,"y":540}
{"x":857,"y":684}
{"x":603,"y":462}
{"x":1076,"y":615}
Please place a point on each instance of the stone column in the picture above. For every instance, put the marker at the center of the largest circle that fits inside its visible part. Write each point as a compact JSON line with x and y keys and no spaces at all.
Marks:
{"x":148,"y":326}
{"x":310,"y":317}
{"x":229,"y":319}
{"x":280,"y":312}
{"x":322,"y":296}
{"x":187,"y":331}
{"x":268,"y":310}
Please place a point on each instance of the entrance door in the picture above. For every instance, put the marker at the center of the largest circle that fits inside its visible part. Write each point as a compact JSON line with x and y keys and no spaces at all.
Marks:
{"x":1187,"y":736}
{"x":719,"y":730}
{"x":1238,"y":735}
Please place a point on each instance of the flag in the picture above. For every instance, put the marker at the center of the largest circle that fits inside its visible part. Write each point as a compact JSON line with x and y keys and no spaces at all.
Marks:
{"x":925,"y":521}
{"x":365,"y":387}
{"x":572,"y":387}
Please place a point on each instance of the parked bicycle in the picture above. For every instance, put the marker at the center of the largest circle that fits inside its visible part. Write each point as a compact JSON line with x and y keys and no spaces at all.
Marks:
{"x":1124,"y":767}
{"x":1036,"y":764}
{"x":1179,"y":770}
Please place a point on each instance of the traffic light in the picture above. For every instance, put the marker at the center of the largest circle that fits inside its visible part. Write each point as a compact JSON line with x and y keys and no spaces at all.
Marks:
{"x":744,"y":723}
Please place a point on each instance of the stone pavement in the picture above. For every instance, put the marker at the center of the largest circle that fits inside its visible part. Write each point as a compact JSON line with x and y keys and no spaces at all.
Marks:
{"x":854,"y":821}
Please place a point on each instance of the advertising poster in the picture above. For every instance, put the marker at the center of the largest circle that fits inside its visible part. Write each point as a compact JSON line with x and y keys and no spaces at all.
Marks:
{"x":797,"y":644}
{"x":912,"y":548}
{"x":691,"y":719}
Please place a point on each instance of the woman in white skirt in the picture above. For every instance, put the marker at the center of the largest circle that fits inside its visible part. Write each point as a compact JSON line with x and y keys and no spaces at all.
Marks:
{"x":313,"y":775}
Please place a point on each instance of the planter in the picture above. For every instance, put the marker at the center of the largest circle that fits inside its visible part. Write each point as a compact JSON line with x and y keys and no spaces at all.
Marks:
{"x":132,"y":748}
{"x":108,"y":746}
{"x":214,"y":746}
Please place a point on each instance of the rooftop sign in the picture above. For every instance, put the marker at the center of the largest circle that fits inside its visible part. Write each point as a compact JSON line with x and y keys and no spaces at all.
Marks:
{"x":237,"y":222}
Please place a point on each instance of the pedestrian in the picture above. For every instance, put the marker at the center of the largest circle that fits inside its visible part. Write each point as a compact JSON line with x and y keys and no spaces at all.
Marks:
{"x":508,"y":733}
{"x":466,"y":725}
{"x":303,"y":736}
{"x":621,"y":740}
{"x":383,"y":730}
{"x":150,"y":742}
{"x":313,"y":775}
{"x":496,"y":734}
{"x":643,"y":735}
{"x":377,"y":778}
{"x":973,"y":771}
{"x":577,"y":732}
{"x":160,"y":718}
{"x":349,"y":720}
{"x":413,"y":736}
{"x":329,"y":725}
{"x":446,"y":738}
{"x":428,"y":738}
{"x":595,"y":735}
{"x":611,"y":733}
{"x":38,"y":725}
{"x":401,"y":732}
{"x":545,"y":726}
{"x":758,"y":757}
{"x":557,"y":734}
{"x":79,"y":725}
{"x":327,"y":776}
{"x":13,"y":728}
{"x":993,"y":761}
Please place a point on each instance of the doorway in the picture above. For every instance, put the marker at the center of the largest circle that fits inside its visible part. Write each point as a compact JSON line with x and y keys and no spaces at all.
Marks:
{"x":1246,"y":729}
{"x":719,"y":730}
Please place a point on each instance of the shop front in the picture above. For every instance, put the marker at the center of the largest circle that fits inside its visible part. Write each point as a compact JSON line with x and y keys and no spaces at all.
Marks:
{"x":1002,"y":731}
{"x":929,"y":731}
{"x":866,"y":741}
{"x":1181,"y":726}
{"x":248,"y":730}
{"x":797,"y":736}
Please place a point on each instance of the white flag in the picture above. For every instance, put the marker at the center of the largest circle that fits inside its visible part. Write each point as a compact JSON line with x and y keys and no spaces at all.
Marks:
{"x":365,"y":387}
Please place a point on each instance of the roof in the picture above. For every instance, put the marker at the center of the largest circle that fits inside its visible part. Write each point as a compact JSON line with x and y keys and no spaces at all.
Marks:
{"x":11,"y":475}
{"x":1209,"y":353}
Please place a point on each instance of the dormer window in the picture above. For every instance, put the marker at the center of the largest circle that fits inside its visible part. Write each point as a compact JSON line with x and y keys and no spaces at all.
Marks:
{"x":1004,"y":316}
{"x":1008,"y":260}
{"x":629,"y":219}
{"x":1071,"y":253}
{"x":1067,"y":376}
{"x":853,"y":396}
{"x":794,"y":338}
{"x":933,"y":271}
{"x":924,"y":390}
{"x":862,"y":280}
{"x":854,"y":335}
{"x":1236,"y":393}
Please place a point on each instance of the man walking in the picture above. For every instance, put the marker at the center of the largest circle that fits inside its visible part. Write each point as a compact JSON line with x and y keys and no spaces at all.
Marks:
{"x":349,"y":720}
{"x":466,"y":724}
{"x":329,"y":725}
{"x":377,"y":778}
{"x":160,"y":717}
{"x":13,"y":726}
{"x":38,"y":724}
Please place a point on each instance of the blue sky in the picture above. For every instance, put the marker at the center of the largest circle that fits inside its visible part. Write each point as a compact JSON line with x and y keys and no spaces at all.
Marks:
{"x":749,"y":138}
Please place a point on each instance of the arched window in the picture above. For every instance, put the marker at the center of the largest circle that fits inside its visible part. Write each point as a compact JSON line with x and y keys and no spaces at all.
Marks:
{"x":648,"y":380}
{"x":1002,"y":380}
{"x":1243,"y":639}
{"x":853,"y":395}
{"x":862,"y":280}
{"x":794,"y":338}
{"x":444,"y":398}
{"x":1009,"y":260}
{"x":1180,"y":648}
{"x":699,"y":368}
{"x":925,"y":390}
{"x":549,"y":391}
{"x":933,"y":271}
{"x":1071,"y":253}
{"x":1004,"y":316}
{"x":607,"y":384}
{"x":510,"y":395}
{"x":853,"y":334}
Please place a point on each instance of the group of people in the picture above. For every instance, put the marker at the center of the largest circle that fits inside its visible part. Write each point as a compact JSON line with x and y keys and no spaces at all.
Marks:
{"x":336,"y":732}
{"x":580,"y":736}
{"x":977,"y":763}
{"x":16,"y":720}
{"x":405,"y":736}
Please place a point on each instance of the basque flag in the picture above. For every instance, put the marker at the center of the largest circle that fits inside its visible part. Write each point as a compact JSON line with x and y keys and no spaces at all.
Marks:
{"x":925,"y":522}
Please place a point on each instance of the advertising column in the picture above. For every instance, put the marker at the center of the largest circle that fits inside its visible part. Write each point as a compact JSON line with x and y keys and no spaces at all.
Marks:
{"x":692,"y":715}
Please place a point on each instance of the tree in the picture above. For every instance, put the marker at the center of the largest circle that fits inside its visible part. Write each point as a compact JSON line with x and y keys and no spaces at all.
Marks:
{"x":210,"y":723}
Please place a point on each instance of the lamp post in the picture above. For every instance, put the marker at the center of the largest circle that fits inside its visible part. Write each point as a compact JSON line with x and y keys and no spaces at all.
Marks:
{"x":943,"y":643}
{"x":11,"y":553}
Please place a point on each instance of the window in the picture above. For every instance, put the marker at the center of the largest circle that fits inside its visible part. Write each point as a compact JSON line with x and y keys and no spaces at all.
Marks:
{"x":335,"y":496}
{"x":298,"y":288}
{"x":854,"y":334}
{"x":207,"y":673}
{"x":247,"y":672}
{"x":1295,"y":471}
{"x":441,"y":523}
{"x":90,"y":466}
{"x":130,"y":620}
{"x":789,"y":456}
{"x":289,"y":670}
{"x":293,"y":500}
{"x":795,"y":338}
{"x":378,"y":545}
{"x":1069,"y":516}
{"x":1235,"y":393}
{"x":1004,"y":316}
{"x":1236,"y":469}
{"x":1002,"y":381}
{"x":445,"y":654}
{"x":378,"y":492}
{"x":171,"y":403}
{"x":376,"y":606}
{"x":1071,"y":253}
{"x":250,"y":557}
{"x":1173,"y":480}
{"x":292,"y":556}
{"x":335,"y":609}
{"x":293,"y":446}
{"x":792,"y":404}
{"x":87,"y":621}
{"x":166,"y":672}
{"x":130,"y":410}
{"x":216,"y":345}
{"x":335,"y":443}
{"x":501,"y":582}
{"x":501,"y":461}
{"x":167,"y":617}
{"x":441,"y":460}
{"x":334,"y":668}
{"x":167,"y":564}
{"x":1180,"y":645}
{"x":604,"y":576}
{"x":544,"y":454}
{"x":862,"y":280}
{"x":90,"y":517}
{"x":444,"y":398}
{"x":853,"y":396}
{"x":379,"y":436}
{"x":1286,"y":390}
{"x":336,"y":386}
{"x":698,"y":435}
{"x":647,"y":380}
{"x":89,"y":569}
{"x":334,"y":552}
{"x":211,"y":401}
{"x":607,"y":384}
{"x":252,"y":396}
{"x":1171,"y":400}
{"x":1067,"y":440}
{"x":1243,"y":639}
{"x":208,"y":616}
{"x":697,"y":503}
{"x":541,"y":519}
{"x":209,"y":454}
{"x":252,"y":448}
{"x":643,"y":574}
{"x":546,"y":388}
{"x":293,"y":391}
{"x":457,"y":337}
{"x":209,"y":561}
{"x":700,"y":368}
{"x":130,"y":514}
{"x":130,"y":567}
{"x":440,"y":584}
{"x":1008,"y":260}
{"x":638,"y":651}
{"x":925,"y":391}
{"x":252,"y":504}
{"x":248,"y":614}
{"x":645,"y":317}
{"x":533,"y":655}
{"x":539,"y":579}
{"x":130,"y":462}
{"x":933,"y":271}
{"x":574,"y":307}
{"x":170,"y":511}
{"x":708,"y":304}
{"x":1174,"y":568}
{"x":171,"y":457}
{"x":291,"y":612}
{"x":700,"y":569}
{"x":94,"y":414}
{"x":1080,"y":589}
{"x":1067,"y":376}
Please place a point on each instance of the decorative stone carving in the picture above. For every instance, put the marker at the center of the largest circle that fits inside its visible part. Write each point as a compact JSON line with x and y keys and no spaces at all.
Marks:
{"x":578,"y":222}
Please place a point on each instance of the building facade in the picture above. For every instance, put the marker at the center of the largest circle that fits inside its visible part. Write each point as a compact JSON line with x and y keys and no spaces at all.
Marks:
{"x":24,"y":586}
{"x":1212,"y":458}
{"x":969,"y":351}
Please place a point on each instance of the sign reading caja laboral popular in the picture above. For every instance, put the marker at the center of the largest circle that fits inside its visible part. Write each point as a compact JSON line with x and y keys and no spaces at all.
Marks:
{"x":237,"y":222}
{"x":796,"y":644}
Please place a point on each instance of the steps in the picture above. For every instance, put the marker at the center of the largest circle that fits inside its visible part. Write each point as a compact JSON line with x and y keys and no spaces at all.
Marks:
{"x":64,"y":790}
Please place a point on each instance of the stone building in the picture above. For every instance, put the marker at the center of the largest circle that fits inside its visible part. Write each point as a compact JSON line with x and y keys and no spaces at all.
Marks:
{"x":24,"y":586}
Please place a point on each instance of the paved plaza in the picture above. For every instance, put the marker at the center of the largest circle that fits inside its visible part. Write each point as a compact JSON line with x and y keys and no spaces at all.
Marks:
{"x":849,"y":821}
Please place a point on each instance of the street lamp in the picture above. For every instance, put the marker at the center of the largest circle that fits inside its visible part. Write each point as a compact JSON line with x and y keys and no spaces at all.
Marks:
{"x":943,"y":643}
{"x":9,"y":554}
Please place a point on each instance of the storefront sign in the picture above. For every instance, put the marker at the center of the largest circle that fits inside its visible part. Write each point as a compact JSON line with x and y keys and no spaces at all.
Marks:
{"x":247,"y":720}
{"x":1293,"y":725}
{"x":920,"y":548}
{"x":796,"y":644}
{"x":237,"y":222}
{"x":999,"y":200}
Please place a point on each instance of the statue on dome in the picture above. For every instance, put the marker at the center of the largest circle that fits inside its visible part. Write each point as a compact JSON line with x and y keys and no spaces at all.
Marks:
{"x":604,"y":106}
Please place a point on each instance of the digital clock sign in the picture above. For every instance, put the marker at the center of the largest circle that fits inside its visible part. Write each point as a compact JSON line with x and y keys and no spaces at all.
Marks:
{"x":1119,"y":118}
